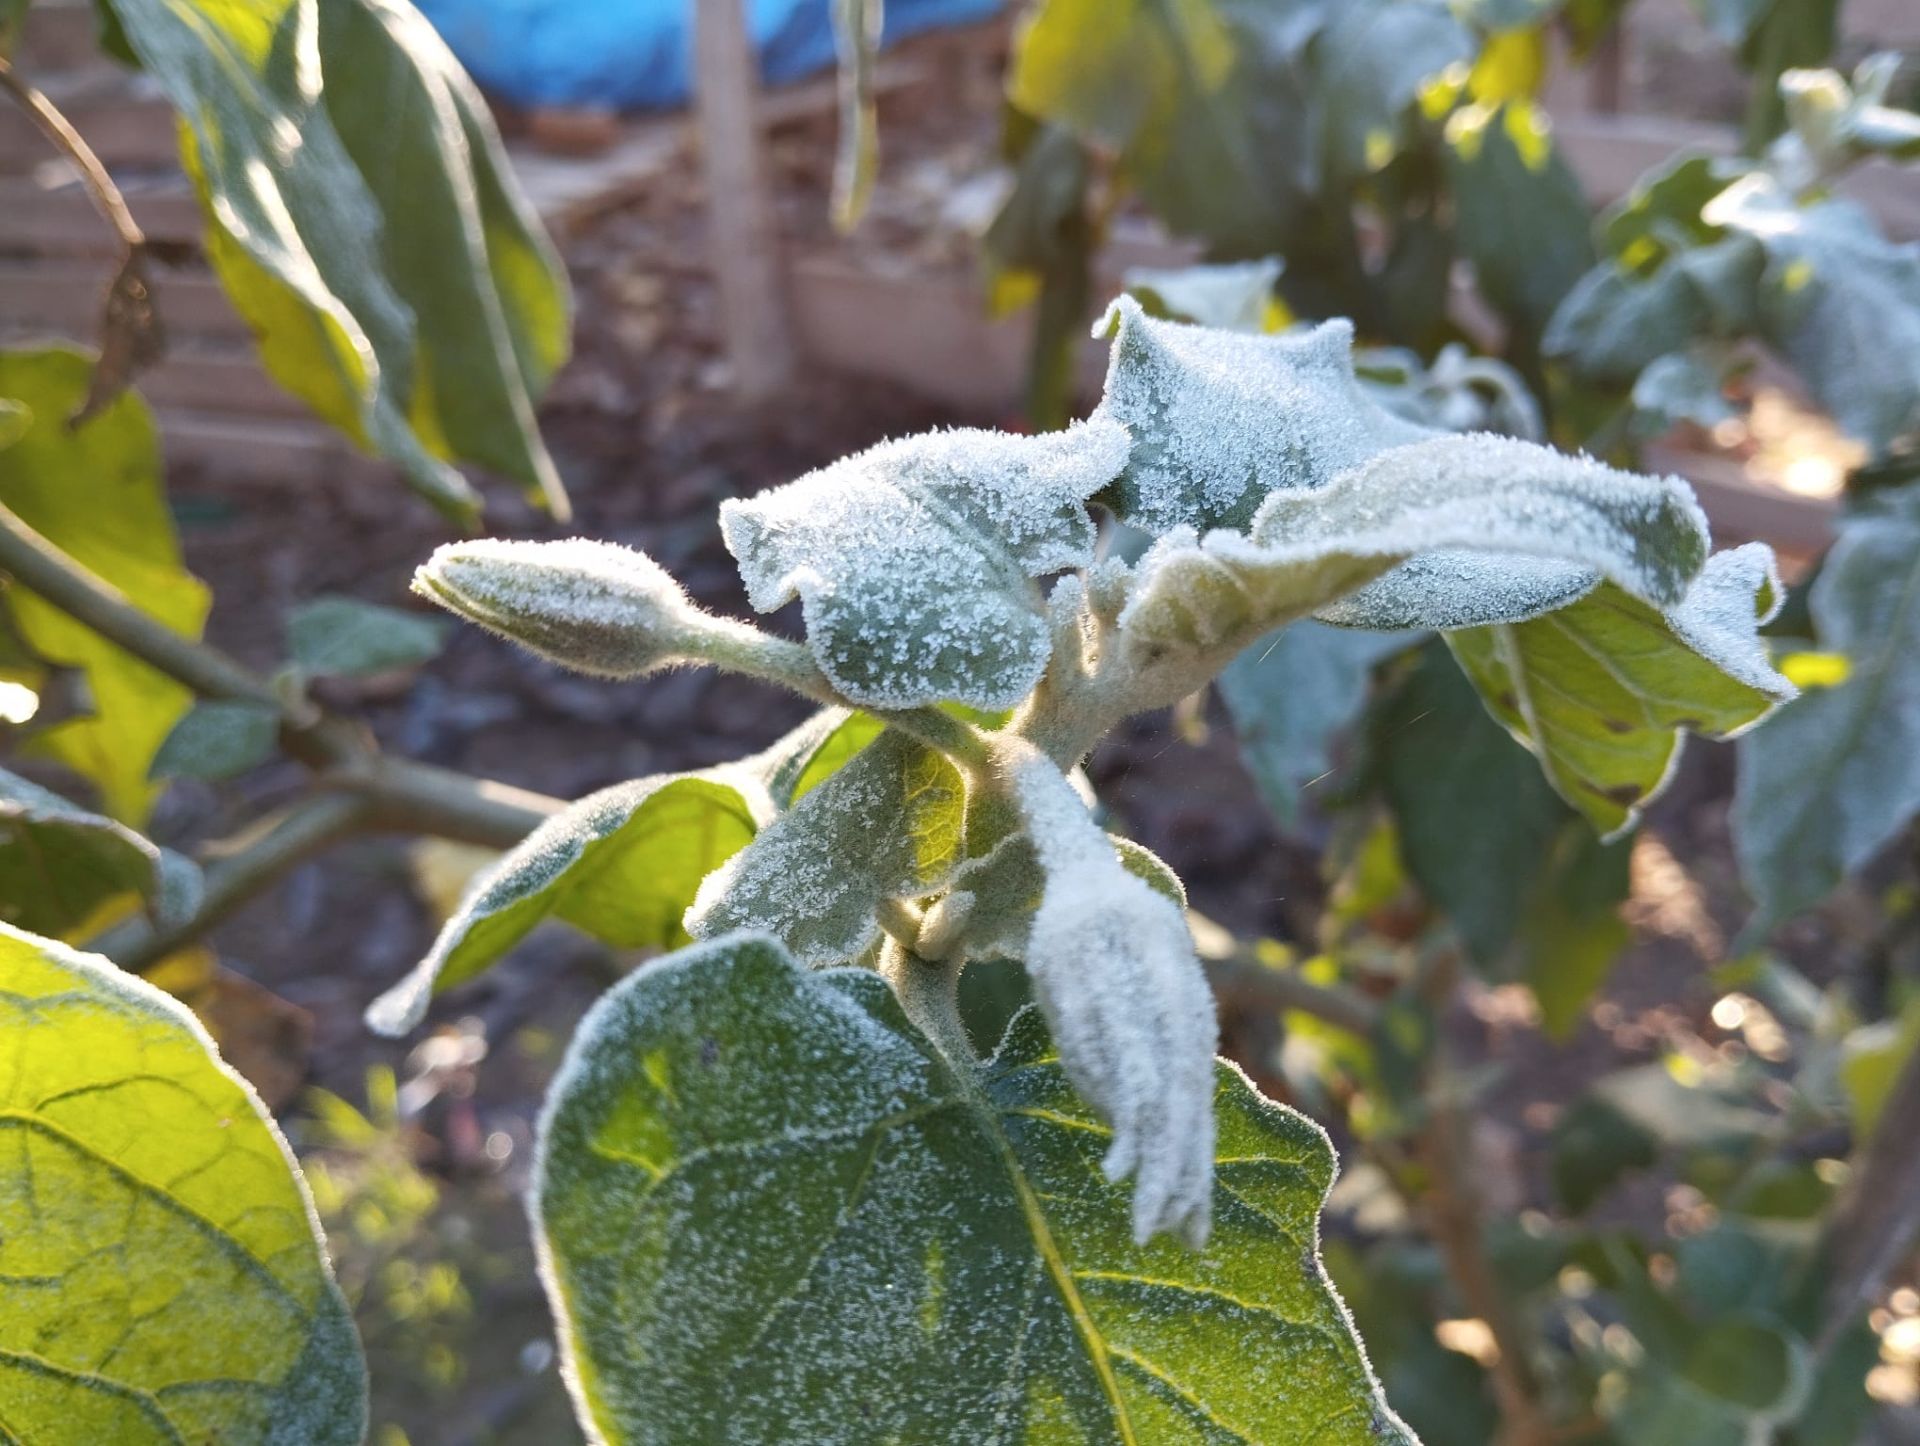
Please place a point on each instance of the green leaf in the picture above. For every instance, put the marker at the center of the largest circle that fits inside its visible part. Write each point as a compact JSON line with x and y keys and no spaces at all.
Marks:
{"x":1840,"y":301}
{"x":889,"y":823}
{"x":622,"y":865}
{"x":1530,"y":892}
{"x":344,"y":637}
{"x":1871,"y":1058}
{"x":1310,"y":547}
{"x":1178,"y":92}
{"x":1835,"y":776}
{"x":142,"y":1181}
{"x":914,"y":560}
{"x":96,"y":494}
{"x":397,"y":279}
{"x":1602,"y":691}
{"x":932,"y":1255}
{"x":1523,"y":219}
{"x":59,"y":864}
{"x":218,"y":740}
{"x":15,"y":419}
{"x":1594,"y":1147}
{"x":13,"y":15}
{"x":1290,"y":696}
{"x":1371,"y":63}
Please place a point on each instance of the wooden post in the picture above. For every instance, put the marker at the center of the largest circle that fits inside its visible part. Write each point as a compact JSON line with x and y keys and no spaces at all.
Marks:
{"x":744,"y":241}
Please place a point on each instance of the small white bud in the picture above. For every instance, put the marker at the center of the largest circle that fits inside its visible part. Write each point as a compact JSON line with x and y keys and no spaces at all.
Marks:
{"x":593,"y":606}
{"x":1114,"y":971}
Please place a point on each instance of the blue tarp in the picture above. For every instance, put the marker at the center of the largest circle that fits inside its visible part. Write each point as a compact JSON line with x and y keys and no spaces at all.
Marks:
{"x":637,"y":54}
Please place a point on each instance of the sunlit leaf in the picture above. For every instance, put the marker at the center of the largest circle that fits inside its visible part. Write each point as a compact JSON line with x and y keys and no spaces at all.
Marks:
{"x":162,"y":1276}
{"x":95,"y":493}
{"x":622,"y":865}
{"x":345,"y":637}
{"x":1603,"y":690}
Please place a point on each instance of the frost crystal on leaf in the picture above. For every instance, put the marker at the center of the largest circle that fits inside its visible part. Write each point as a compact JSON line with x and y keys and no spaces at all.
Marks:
{"x":914,"y":560}
{"x":1221,"y":419}
{"x":594,"y":606}
{"x":1480,"y":493}
{"x":1115,"y":973}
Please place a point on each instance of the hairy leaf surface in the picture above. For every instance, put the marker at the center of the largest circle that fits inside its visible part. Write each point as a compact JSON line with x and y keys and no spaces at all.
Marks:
{"x":1221,"y":419}
{"x":1603,"y":691}
{"x":769,"y":1211}
{"x":362,"y":215}
{"x":59,"y":864}
{"x":1836,"y":775}
{"x":1309,"y":547}
{"x":219,"y":739}
{"x":162,"y":1276}
{"x":888,"y":823}
{"x":914,"y":561}
{"x":622,"y":865}
{"x":95,"y":492}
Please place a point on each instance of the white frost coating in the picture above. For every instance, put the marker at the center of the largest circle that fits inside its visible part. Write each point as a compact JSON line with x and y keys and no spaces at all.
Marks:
{"x":1221,"y":419}
{"x":1738,"y":592}
{"x":1233,"y":296}
{"x":1480,"y":493}
{"x":1458,"y":589}
{"x":593,"y":606}
{"x":914,"y":560}
{"x":1114,"y":971}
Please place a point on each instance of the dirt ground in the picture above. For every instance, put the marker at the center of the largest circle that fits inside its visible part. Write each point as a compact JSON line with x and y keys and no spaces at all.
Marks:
{"x":650,"y":440}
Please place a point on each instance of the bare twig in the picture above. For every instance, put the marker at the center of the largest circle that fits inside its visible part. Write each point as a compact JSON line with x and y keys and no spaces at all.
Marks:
{"x":277,"y":845}
{"x":70,"y":143}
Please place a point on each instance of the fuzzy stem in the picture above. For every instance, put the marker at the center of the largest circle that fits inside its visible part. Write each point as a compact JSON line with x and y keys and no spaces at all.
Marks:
{"x":930,"y":995}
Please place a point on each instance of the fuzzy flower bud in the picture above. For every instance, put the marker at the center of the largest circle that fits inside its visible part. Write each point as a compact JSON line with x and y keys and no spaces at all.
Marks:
{"x":593,"y":606}
{"x":1114,"y":970}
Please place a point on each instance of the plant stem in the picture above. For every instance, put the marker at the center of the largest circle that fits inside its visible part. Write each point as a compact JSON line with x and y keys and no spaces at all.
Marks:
{"x":1456,"y":1214}
{"x":59,"y":130}
{"x":1873,"y":1228}
{"x":278,"y":845}
{"x":929,"y":993}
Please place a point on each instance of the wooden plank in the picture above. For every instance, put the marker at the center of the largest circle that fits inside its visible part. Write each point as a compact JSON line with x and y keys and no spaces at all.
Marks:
{"x":58,"y":35}
{"x":60,"y":219}
{"x":63,"y":298}
{"x":268,"y":453}
{"x":742,"y":236}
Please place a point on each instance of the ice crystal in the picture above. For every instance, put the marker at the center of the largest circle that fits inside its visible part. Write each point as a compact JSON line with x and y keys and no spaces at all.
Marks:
{"x":593,"y":606}
{"x":914,"y":560}
{"x":1480,"y":493}
{"x":1234,"y":295}
{"x":1114,"y":971}
{"x":1221,"y":419}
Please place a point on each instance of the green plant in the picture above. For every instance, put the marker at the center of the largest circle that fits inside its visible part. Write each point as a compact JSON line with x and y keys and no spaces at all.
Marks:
{"x":814,"y":1175}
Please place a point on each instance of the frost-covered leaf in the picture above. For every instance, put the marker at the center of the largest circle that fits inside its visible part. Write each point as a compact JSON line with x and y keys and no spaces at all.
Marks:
{"x":891,"y":822}
{"x":1115,"y":973}
{"x":594,"y":606}
{"x":1840,"y":301}
{"x":770,"y":1211}
{"x":1221,"y":419}
{"x":95,"y":492}
{"x":1835,"y":775}
{"x":1309,"y":547}
{"x":1291,"y":695}
{"x":914,"y":561}
{"x":999,"y":891}
{"x":1602,"y":691}
{"x":345,"y":637}
{"x":397,"y":279}
{"x":1456,"y":392}
{"x":219,"y":739}
{"x":1615,"y":321}
{"x":59,"y":864}
{"x":162,"y":1276}
{"x":1231,"y":295}
{"x":622,"y":865}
